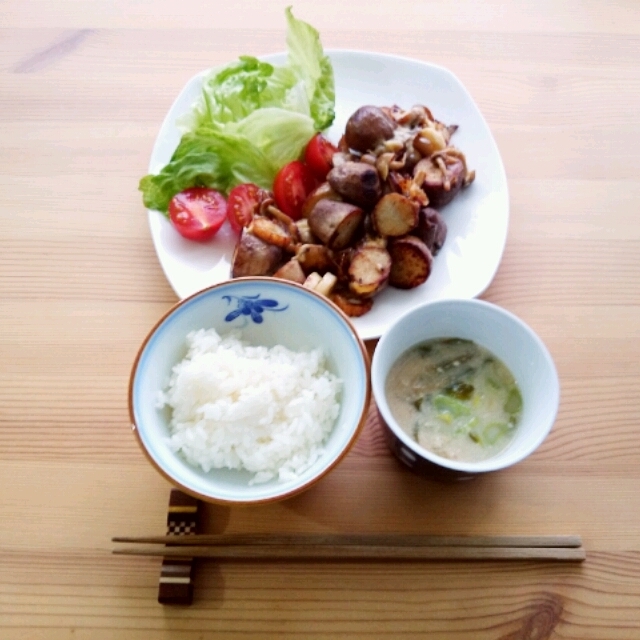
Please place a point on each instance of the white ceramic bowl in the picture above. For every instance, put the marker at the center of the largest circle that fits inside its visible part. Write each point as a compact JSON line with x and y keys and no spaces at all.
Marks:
{"x":496,"y":329}
{"x":300,"y":320}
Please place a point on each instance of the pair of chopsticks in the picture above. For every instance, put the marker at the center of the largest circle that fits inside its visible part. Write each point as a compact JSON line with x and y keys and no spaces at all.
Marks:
{"x":357,"y":547}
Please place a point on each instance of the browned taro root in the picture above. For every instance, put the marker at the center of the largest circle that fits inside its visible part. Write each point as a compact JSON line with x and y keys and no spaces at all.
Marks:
{"x":351,"y":305}
{"x":444,"y":176}
{"x":319,"y":193}
{"x":369,"y":270}
{"x":342,"y":260}
{"x":356,"y":182}
{"x":335,"y":223}
{"x":411,"y":262}
{"x":367,"y":128}
{"x":254,"y":257}
{"x":315,"y":257}
{"x":395,"y":215}
{"x":431,"y":229}
{"x":291,"y":271}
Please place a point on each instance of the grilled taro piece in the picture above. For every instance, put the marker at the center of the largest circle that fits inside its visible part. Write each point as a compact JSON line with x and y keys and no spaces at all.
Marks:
{"x":411,"y":262}
{"x":431,"y":229}
{"x":369,"y":269}
{"x":335,"y":223}
{"x":321,"y":192}
{"x":352,"y":305}
{"x":315,"y":257}
{"x":254,"y":257}
{"x":367,"y":128}
{"x":356,"y":182}
{"x":442,"y":179}
{"x":292,"y":271}
{"x":395,"y":215}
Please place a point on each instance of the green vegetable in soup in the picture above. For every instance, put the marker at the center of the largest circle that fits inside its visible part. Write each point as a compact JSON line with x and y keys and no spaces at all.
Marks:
{"x":513,"y":403}
{"x":460,"y":390}
{"x":467,"y":427}
{"x":490,"y":433}
{"x":454,"y":407}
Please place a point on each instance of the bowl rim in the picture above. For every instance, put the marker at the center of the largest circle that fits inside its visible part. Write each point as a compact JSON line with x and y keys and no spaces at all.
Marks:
{"x":483,"y":466}
{"x":277,"y":497}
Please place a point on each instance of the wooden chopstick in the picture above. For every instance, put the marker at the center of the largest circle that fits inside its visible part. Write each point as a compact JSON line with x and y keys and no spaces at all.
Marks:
{"x":371,"y":547}
{"x":399,"y":540}
{"x":369,"y":552}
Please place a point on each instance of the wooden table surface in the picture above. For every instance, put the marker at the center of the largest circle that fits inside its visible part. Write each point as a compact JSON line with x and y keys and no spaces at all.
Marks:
{"x":84,"y":88}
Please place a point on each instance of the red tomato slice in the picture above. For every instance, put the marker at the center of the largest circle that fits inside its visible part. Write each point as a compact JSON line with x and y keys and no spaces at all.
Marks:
{"x":293,"y":183}
{"x":318,"y":156}
{"x":198,"y":213}
{"x":242,"y":204}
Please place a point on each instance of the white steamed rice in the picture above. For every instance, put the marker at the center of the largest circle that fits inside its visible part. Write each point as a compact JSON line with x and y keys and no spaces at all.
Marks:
{"x":237,"y":406}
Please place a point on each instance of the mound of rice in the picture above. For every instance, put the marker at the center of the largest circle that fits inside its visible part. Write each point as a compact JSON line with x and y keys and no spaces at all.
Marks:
{"x":237,"y":406}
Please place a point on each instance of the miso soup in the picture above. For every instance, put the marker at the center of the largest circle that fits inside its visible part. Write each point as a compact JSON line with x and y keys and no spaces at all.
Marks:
{"x":455,"y":398}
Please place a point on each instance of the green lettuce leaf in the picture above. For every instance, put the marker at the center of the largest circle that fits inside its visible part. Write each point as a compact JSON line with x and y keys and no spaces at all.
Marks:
{"x":252,"y":118}
{"x":309,"y":63}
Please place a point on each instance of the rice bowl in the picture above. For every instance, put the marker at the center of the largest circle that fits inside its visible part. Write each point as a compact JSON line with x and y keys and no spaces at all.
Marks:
{"x":264,"y":313}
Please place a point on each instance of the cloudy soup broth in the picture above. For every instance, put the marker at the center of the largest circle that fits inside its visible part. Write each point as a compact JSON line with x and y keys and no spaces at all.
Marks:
{"x":454,"y":398}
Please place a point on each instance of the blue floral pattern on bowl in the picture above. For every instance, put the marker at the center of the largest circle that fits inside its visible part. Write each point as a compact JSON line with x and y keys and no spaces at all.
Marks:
{"x":252,"y":306}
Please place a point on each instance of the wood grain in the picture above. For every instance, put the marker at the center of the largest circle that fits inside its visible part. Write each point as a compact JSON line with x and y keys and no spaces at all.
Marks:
{"x":84,"y":88}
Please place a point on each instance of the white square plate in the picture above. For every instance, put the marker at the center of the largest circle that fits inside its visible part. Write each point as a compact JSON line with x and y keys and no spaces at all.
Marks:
{"x":477,"y":219}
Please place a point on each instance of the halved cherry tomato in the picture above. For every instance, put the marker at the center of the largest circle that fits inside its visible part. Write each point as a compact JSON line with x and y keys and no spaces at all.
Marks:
{"x":318,"y":156}
{"x":293,"y":183}
{"x":243,"y":203}
{"x":198,"y":213}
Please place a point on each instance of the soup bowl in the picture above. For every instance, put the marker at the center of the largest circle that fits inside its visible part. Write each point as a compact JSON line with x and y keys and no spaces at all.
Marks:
{"x":264,"y":312}
{"x":510,"y":340}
